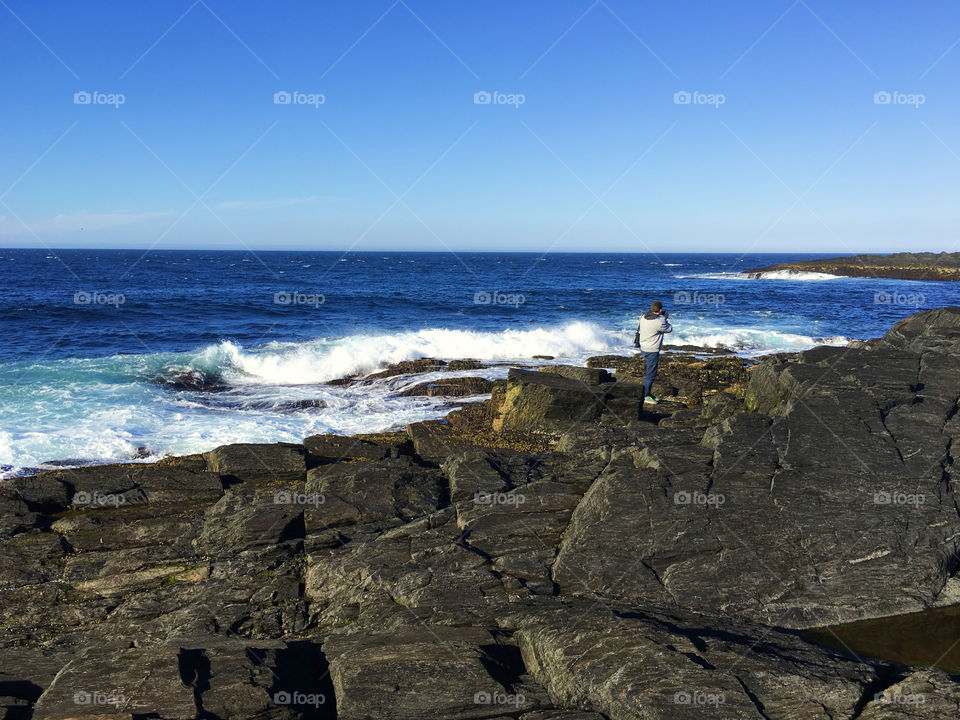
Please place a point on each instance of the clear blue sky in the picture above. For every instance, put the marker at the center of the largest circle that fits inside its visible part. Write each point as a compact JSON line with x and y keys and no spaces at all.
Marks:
{"x":798,"y":157}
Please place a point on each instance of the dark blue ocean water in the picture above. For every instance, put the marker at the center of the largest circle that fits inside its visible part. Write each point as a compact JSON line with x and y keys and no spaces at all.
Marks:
{"x":90,"y":335}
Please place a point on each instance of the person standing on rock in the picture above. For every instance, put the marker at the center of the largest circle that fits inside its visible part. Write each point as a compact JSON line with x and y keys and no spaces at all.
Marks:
{"x":653,"y":326}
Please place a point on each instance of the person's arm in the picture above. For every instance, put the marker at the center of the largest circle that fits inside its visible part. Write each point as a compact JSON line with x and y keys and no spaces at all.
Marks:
{"x":665,"y":326}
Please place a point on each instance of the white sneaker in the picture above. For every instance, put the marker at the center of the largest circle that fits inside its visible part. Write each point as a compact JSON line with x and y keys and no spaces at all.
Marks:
{"x":651,"y":399}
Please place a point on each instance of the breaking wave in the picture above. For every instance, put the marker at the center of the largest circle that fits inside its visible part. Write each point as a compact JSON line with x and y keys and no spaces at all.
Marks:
{"x":795,"y":275}
{"x":322,"y":360}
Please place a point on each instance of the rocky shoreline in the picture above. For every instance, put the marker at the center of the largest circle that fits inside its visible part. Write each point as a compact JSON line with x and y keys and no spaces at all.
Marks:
{"x":557,"y":552}
{"x":899,"y":266}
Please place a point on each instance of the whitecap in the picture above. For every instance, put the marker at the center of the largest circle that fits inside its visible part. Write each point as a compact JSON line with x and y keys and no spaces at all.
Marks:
{"x":767,"y":275}
{"x":322,"y":360}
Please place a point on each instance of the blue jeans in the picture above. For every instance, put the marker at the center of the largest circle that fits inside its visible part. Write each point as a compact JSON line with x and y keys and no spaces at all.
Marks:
{"x":652,"y":361}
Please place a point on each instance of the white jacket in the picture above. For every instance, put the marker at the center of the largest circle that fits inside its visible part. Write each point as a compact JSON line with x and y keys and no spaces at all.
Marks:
{"x":652,"y":329}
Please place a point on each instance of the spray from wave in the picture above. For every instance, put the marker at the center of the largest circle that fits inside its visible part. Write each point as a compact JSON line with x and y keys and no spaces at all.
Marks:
{"x":322,"y":360}
{"x":228,"y":364}
{"x":793,"y":275}
{"x":752,"y":342}
{"x":106,"y":409}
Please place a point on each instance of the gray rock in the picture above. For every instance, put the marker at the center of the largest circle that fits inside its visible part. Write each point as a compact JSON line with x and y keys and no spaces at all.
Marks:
{"x":249,"y":460}
{"x":434,"y":441}
{"x":450,"y":387}
{"x":351,"y":494}
{"x":127,"y":683}
{"x":455,"y":672}
{"x":647,"y":665}
{"x":586,"y":375}
{"x":832,"y":508}
{"x":588,"y":559}
{"x":546,"y":402}
{"x":927,"y":693}
{"x":44,"y":492}
{"x":324,"y":449}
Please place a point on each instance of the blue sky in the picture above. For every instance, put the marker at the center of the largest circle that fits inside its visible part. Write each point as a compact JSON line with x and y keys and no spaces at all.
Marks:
{"x":783,"y":149}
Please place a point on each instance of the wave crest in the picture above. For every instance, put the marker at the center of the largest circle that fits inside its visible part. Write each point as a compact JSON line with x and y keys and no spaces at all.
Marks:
{"x":322,"y":360}
{"x":748,"y":341}
{"x":800,"y":275}
{"x":791,"y":275}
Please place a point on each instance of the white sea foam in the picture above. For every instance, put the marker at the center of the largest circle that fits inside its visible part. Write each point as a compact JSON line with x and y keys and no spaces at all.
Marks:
{"x":104,"y":409}
{"x":713,"y":276}
{"x":750,"y":341}
{"x":796,"y":275}
{"x":319,"y":361}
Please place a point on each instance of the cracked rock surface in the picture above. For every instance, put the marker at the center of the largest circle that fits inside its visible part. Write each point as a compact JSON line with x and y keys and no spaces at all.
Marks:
{"x":556,"y":553}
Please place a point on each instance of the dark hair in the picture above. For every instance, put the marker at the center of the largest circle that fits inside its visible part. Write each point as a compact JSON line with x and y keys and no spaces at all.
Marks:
{"x":657,"y":306}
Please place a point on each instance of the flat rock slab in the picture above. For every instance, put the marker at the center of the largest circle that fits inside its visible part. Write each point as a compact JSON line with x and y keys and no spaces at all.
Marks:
{"x":250,"y":460}
{"x":125,"y":684}
{"x":450,"y":387}
{"x":447,"y":672}
{"x":326,"y":449}
{"x":634,"y":665}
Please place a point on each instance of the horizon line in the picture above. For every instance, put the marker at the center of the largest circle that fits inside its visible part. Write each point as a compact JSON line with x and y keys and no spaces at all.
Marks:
{"x":475,"y":252}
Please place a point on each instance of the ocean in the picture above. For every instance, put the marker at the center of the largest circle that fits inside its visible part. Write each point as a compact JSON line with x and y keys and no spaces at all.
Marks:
{"x":95,"y":341}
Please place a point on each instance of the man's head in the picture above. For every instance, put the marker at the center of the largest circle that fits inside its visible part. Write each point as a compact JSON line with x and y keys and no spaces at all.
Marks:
{"x":656,"y":307}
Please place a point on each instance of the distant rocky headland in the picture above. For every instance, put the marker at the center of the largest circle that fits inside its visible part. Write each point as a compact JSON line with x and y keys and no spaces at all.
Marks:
{"x":557,"y":552}
{"x":900,"y":266}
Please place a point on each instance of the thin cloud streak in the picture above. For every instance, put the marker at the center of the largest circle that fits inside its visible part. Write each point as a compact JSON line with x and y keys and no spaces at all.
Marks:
{"x":79,"y":222}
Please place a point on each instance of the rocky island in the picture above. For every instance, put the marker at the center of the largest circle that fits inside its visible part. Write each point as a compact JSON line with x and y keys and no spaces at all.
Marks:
{"x":900,"y":266}
{"x":557,"y":552}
